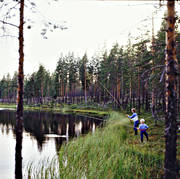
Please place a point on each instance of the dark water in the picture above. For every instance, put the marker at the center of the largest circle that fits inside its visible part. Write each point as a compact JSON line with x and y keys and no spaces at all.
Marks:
{"x":43,"y":136}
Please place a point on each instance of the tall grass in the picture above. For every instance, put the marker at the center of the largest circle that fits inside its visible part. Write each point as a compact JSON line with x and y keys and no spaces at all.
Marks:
{"x":44,"y":169}
{"x":110,"y":152}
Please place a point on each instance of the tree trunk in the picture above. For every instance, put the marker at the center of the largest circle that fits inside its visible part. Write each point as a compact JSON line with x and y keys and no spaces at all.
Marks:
{"x":143,"y":97}
{"x":153,"y":106}
{"x":19,"y":115}
{"x":118,"y":89}
{"x":147,"y":97}
{"x":60,"y":89}
{"x":171,"y":95}
{"x":139,"y":91}
{"x":74,"y":90}
{"x":66,"y":93}
{"x":130,"y":91}
{"x":85,"y":92}
{"x":178,"y":90}
{"x":122,"y":87}
{"x":42,"y":93}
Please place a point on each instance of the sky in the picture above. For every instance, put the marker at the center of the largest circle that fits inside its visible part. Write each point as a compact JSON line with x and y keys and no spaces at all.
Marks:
{"x":92,"y":26}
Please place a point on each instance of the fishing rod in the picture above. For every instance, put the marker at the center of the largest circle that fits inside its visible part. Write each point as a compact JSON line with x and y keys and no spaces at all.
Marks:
{"x":117,"y":102}
{"x":91,"y":117}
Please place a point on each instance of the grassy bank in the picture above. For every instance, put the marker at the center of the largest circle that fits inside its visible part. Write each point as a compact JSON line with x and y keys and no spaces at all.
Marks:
{"x":63,"y":108}
{"x":111,"y":152}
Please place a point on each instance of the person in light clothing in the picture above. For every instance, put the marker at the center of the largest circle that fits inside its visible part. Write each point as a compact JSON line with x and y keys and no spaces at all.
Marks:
{"x":134,"y":118}
{"x":143,"y":127}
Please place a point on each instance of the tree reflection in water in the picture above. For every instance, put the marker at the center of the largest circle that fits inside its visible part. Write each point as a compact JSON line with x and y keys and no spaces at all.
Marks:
{"x":43,"y":135}
{"x":39,"y":124}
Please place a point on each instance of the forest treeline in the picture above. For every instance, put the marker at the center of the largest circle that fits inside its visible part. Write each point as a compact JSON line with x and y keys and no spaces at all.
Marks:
{"x":126,"y":76}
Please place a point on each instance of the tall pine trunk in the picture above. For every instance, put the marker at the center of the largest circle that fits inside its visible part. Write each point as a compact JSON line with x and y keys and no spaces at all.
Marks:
{"x":171,"y":95}
{"x":147,"y":97}
{"x":85,"y":85}
{"x":118,"y":89}
{"x":139,"y":91}
{"x":19,"y":115}
{"x":153,"y":106}
{"x":178,"y":88}
{"x":42,"y":92}
{"x":130,"y":90}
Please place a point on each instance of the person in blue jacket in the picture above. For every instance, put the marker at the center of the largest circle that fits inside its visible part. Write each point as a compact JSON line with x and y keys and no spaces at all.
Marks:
{"x":134,"y":118}
{"x":143,"y":127}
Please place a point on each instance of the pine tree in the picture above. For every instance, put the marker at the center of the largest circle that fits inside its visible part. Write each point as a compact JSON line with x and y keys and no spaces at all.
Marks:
{"x":19,"y":117}
{"x":171,"y":94}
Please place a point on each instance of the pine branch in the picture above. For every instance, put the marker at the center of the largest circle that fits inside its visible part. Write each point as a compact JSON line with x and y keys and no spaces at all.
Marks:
{"x":149,"y":70}
{"x":8,"y":23}
{"x":12,"y":36}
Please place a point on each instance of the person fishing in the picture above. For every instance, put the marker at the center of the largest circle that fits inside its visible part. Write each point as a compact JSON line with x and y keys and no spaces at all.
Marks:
{"x":134,"y":118}
{"x":143,"y":127}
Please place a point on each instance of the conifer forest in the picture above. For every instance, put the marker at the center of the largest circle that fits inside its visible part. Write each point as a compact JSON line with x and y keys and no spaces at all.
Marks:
{"x":75,"y":121}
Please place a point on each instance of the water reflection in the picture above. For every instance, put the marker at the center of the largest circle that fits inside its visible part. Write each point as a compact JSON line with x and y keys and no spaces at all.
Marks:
{"x":78,"y":128}
{"x":43,"y":136}
{"x":58,"y":126}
